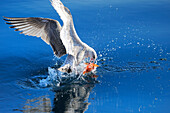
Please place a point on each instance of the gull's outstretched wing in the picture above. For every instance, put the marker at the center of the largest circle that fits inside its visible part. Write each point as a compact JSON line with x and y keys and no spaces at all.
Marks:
{"x":63,"y":11}
{"x":47,"y":29}
{"x":68,"y":34}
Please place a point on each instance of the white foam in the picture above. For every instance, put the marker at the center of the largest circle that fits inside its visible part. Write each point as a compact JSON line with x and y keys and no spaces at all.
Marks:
{"x":55,"y":77}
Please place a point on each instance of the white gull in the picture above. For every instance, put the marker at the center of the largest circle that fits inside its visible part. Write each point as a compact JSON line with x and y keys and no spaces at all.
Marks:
{"x":63,"y":40}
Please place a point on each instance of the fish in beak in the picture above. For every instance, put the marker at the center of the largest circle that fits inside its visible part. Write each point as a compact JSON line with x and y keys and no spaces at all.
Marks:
{"x":89,"y":67}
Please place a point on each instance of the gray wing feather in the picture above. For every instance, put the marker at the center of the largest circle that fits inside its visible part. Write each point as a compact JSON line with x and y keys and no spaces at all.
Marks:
{"x":47,"y":29}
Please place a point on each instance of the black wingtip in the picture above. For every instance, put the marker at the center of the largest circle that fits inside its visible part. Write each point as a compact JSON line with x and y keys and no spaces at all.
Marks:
{"x":5,"y":19}
{"x":16,"y":29}
{"x":21,"y":32}
{"x":12,"y":27}
{"x":8,"y":23}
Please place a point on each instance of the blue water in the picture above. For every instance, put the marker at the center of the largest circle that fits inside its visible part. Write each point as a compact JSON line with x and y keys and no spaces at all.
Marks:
{"x":132,"y":39}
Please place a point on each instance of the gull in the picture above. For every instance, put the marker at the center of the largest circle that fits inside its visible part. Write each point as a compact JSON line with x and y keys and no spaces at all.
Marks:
{"x":62,"y":39}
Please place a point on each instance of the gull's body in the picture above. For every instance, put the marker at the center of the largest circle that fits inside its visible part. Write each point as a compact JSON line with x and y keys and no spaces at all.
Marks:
{"x":63,"y":40}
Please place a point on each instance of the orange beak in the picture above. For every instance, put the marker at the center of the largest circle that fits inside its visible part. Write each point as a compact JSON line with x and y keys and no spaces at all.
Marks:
{"x":95,"y":65}
{"x":92,"y":64}
{"x":90,"y":67}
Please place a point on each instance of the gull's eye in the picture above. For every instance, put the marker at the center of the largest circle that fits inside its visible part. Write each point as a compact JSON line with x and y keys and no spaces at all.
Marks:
{"x":94,"y":57}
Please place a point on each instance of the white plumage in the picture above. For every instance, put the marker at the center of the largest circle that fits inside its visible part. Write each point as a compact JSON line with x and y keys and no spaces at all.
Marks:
{"x":63,"y":40}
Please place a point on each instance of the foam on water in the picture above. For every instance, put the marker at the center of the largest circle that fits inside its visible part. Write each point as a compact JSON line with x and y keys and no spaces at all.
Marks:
{"x":55,"y":77}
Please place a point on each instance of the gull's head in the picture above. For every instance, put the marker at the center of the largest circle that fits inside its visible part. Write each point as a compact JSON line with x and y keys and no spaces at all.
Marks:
{"x":92,"y":54}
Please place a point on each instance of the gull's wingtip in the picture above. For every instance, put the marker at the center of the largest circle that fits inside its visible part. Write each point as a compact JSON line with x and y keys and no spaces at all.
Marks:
{"x":4,"y":18}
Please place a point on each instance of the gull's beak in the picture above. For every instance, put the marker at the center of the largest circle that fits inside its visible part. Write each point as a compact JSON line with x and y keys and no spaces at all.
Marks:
{"x":95,"y":65}
{"x":89,"y":67}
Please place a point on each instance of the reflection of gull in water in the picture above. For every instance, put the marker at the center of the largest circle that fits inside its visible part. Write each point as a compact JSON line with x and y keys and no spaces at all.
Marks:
{"x":72,"y":99}
{"x":69,"y":99}
{"x":63,"y":40}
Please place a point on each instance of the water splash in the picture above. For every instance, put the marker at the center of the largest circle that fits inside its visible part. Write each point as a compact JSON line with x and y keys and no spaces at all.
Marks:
{"x":54,"y":78}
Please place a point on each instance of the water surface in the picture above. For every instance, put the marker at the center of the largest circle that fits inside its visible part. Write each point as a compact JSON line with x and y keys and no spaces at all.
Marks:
{"x":132,"y":39}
